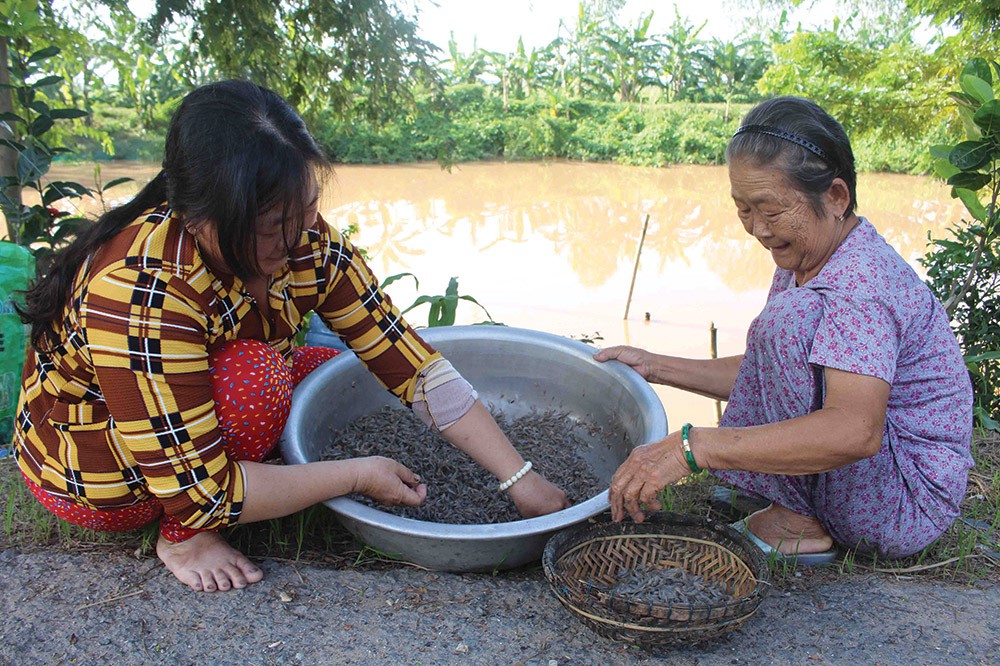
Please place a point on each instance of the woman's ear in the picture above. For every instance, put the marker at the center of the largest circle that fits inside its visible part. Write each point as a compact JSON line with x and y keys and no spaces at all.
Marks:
{"x":838,"y":197}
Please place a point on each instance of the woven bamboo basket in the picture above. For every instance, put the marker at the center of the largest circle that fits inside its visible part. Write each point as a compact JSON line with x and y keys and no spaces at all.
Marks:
{"x":583,"y":563}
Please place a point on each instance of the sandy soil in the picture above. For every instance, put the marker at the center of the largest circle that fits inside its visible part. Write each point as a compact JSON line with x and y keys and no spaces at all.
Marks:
{"x":60,"y":608}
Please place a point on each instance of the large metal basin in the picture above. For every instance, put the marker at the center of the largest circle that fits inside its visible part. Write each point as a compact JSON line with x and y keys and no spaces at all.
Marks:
{"x":514,"y":370}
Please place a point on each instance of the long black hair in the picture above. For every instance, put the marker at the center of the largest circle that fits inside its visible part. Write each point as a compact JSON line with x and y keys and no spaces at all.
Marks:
{"x":234,"y":149}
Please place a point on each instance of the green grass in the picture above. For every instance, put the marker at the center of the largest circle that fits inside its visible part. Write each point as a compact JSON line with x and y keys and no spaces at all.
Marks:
{"x":966,"y":553}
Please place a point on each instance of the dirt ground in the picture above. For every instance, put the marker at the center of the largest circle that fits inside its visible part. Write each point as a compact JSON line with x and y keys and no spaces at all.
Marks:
{"x":102,"y":608}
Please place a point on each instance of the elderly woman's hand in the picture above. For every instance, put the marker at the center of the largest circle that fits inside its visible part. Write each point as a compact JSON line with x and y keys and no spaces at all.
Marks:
{"x":534,"y":496}
{"x":649,"y":469}
{"x":639,"y":360}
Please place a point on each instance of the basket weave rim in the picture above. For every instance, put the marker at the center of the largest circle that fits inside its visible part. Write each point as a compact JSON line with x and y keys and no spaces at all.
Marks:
{"x":647,"y":624}
{"x":652,"y":629}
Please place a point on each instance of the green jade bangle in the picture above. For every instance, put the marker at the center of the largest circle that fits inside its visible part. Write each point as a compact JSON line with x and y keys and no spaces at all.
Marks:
{"x":686,"y":444}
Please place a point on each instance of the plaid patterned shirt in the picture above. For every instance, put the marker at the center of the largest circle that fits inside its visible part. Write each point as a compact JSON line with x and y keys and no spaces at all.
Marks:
{"x":122,"y":410}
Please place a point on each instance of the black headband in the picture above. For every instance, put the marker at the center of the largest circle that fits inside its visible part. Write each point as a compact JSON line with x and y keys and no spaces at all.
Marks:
{"x":784,"y":134}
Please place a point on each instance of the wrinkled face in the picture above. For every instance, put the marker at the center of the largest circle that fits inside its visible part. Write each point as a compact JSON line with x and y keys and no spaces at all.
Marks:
{"x":273,"y":241}
{"x":782,"y":220}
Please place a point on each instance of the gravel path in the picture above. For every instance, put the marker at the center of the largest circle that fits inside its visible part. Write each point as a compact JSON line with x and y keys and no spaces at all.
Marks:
{"x":60,"y":608}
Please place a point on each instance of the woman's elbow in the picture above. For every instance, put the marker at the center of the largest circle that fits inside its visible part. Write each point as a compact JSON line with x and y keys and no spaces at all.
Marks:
{"x":869,"y":441}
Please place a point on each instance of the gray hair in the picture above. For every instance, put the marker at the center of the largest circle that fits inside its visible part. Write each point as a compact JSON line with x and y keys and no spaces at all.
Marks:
{"x":803,"y":141}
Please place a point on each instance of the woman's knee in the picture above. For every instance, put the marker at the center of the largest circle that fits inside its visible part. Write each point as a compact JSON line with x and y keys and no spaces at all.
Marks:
{"x":306,"y":359}
{"x":252,"y":388}
{"x":871,"y":507}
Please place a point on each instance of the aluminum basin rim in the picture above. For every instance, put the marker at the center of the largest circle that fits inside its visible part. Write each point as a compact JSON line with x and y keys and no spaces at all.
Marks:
{"x":356,"y":512}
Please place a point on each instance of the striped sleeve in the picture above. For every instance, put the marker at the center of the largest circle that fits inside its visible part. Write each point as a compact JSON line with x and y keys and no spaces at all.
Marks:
{"x":146,"y":333}
{"x":363,"y":315}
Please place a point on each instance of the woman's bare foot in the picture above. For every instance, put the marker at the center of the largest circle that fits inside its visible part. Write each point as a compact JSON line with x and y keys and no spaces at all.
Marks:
{"x":206,"y":562}
{"x":788,"y":531}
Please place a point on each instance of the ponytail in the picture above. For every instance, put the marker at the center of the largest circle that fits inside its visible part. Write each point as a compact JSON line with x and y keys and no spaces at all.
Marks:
{"x":46,"y":299}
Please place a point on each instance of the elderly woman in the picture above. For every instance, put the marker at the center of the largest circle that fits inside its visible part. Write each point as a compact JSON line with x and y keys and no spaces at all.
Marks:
{"x":851,"y":408}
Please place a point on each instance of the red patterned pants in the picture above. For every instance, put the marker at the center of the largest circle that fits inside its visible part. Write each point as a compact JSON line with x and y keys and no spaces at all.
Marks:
{"x":253,"y":395}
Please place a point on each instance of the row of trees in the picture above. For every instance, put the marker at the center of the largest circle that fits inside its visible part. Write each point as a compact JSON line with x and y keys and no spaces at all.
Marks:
{"x":598,"y":58}
{"x":365,"y":59}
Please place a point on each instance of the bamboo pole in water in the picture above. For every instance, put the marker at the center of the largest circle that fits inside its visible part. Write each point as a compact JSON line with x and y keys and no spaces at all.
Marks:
{"x":635,"y":267}
{"x":713,"y":334}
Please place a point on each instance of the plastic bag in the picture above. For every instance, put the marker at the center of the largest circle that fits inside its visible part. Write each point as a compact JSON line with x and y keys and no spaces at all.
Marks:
{"x":17,"y":269}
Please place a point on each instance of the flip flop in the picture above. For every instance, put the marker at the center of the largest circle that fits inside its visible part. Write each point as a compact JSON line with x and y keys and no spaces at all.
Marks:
{"x":734,"y":503}
{"x":803,"y":559}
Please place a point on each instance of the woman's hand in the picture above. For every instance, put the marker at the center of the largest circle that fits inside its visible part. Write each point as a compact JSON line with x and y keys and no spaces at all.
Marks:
{"x":534,"y":496}
{"x":478,"y":435}
{"x":649,"y":469}
{"x":639,"y":360}
{"x":389,"y":482}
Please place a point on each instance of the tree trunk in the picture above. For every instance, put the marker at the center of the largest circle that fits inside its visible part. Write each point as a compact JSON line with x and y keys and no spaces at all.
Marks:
{"x":8,"y":156}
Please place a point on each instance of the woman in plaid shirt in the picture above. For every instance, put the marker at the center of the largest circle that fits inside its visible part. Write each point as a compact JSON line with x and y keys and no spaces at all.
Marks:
{"x":163,"y":351}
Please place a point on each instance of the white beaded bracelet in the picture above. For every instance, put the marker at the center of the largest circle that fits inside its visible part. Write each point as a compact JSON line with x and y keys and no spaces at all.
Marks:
{"x":517,"y":477}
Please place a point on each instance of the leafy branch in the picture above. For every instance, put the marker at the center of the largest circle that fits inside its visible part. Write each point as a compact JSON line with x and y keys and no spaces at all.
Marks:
{"x":964,"y":271}
{"x":24,"y":123}
{"x":974,"y":164}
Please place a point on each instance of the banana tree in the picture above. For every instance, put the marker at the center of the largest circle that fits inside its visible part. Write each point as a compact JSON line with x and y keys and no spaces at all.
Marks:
{"x":465,"y":68}
{"x":682,"y":55}
{"x":734,"y":67}
{"x":629,"y":55}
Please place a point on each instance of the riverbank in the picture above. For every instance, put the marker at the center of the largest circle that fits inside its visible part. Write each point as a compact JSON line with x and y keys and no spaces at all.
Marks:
{"x":468,"y":123}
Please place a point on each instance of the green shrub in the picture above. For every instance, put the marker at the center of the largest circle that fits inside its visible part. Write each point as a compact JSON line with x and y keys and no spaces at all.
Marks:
{"x":477,"y":138}
{"x":876,"y":152}
{"x":656,"y":145}
{"x":362,"y":143}
{"x":468,"y":122}
{"x":595,"y":139}
{"x":469,"y":99}
{"x":964,"y":272}
{"x":703,"y":137}
{"x":534,"y":138}
{"x":977,"y":312}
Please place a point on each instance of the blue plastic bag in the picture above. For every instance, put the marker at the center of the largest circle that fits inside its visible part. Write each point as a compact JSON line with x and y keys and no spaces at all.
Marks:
{"x":17,"y":269}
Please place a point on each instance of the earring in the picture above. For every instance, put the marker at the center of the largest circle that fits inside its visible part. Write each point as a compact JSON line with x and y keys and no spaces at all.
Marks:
{"x":840,"y":218}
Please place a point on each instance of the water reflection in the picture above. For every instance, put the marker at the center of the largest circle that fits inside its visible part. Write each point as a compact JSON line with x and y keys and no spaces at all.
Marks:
{"x":552,"y":246}
{"x":591,"y":214}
